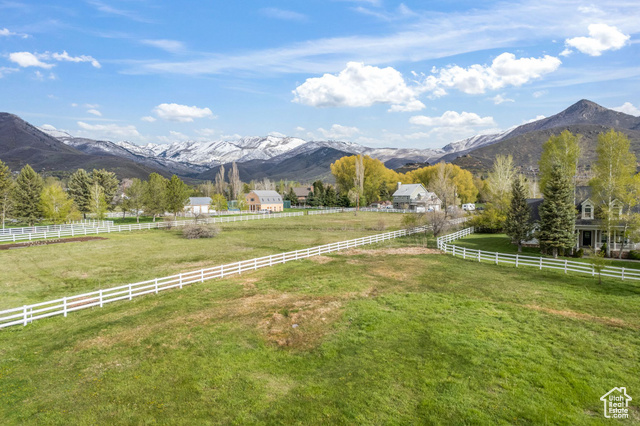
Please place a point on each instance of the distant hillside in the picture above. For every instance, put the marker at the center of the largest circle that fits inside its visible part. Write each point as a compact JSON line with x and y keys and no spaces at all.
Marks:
{"x":21,"y":144}
{"x":583,"y":112}
{"x":525,"y":142}
{"x":304,"y":167}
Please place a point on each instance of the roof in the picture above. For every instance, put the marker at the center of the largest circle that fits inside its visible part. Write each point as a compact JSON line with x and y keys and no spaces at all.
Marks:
{"x":302,"y":191}
{"x":534,"y":204}
{"x":199,"y":201}
{"x":268,"y":196}
{"x":408,"y":190}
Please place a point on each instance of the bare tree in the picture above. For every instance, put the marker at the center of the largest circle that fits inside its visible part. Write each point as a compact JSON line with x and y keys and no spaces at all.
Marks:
{"x":265,"y":184}
{"x":235,"y":183}
{"x":359,"y":180}
{"x":438,"y":221}
{"x":207,"y":188}
{"x":444,"y":187}
{"x":220,"y":183}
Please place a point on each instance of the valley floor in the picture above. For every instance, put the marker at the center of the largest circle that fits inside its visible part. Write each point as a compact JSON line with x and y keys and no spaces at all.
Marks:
{"x":393,"y":333}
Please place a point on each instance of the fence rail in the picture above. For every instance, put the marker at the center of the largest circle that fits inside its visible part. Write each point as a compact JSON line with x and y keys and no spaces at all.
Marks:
{"x":518,"y":260}
{"x":72,"y":232}
{"x":55,"y":228}
{"x":63,"y":306}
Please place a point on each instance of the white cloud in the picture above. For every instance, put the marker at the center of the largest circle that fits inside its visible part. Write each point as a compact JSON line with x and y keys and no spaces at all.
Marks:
{"x":540,"y":93}
{"x":64,"y":56}
{"x":95,"y":112}
{"x":4,"y":32}
{"x":359,"y":85}
{"x":505,"y":70}
{"x":538,"y":117}
{"x":172,"y":46}
{"x":338,"y":131}
{"x":48,"y":127}
{"x":108,"y":131}
{"x":27,"y":59}
{"x":6,"y":70}
{"x":411,"y":106}
{"x":181,"y":113}
{"x":453,"y":119}
{"x":148,"y":119}
{"x":300,"y":129}
{"x":92,"y":106}
{"x":628,"y":108}
{"x":602,"y":37}
{"x":499,"y":99}
{"x":285,"y":15}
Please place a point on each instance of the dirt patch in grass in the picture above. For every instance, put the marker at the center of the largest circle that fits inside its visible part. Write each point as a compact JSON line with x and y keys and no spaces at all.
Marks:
{"x":615,"y":322}
{"x":47,"y":242}
{"x":321,"y":259}
{"x":388,"y":251}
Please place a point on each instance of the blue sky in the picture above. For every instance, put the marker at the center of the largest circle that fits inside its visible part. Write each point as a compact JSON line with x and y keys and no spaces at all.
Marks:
{"x":377,"y":72}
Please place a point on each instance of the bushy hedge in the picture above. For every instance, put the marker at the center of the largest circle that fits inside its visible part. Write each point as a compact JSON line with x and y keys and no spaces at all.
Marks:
{"x":195,"y":231}
{"x":634,"y":254}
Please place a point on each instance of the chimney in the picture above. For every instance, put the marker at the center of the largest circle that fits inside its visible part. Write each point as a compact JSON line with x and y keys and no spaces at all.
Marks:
{"x":399,"y":185}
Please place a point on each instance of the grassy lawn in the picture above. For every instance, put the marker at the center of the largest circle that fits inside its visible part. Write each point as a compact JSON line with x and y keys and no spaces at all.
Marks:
{"x":382,"y":336}
{"x":502,"y":244}
{"x":40,"y":273}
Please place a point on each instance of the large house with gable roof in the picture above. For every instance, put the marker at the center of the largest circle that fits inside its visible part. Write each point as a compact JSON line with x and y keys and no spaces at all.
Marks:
{"x":415,"y":195}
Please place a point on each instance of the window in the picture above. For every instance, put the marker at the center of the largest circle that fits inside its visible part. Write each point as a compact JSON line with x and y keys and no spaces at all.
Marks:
{"x":587,"y":211}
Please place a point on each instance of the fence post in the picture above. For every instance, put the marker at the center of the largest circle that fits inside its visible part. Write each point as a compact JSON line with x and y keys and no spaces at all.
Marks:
{"x":497,"y":258}
{"x":516,"y":260}
{"x":156,"y":284}
{"x":479,"y":251}
{"x":464,"y":252}
{"x":565,"y":265}
{"x":25,"y":315}
{"x":64,"y":306}
{"x":180,"y":277}
{"x":130,"y":292}
{"x":541,"y":264}
{"x":201,"y":275}
{"x":255,"y":263}
{"x":622,"y":273}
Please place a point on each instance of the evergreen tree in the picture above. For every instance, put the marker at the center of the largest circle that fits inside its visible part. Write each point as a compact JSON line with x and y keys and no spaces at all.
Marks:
{"x":518,"y":224}
{"x":330,"y":197}
{"x":26,"y":195}
{"x":291,"y":196}
{"x":311,"y":199}
{"x":6,"y":186}
{"x":154,"y":199}
{"x":79,"y":188}
{"x":343,"y":200}
{"x":109,"y":183}
{"x":55,"y":203}
{"x":177,"y":195}
{"x":557,"y":213}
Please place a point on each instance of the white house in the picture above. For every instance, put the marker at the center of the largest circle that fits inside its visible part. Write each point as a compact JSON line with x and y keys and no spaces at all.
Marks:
{"x":198,"y":205}
{"x":415,"y":195}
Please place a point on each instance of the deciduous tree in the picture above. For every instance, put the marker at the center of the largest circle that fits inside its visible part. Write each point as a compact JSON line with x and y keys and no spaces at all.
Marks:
{"x":219,"y":203}
{"x":155,"y":197}
{"x":564,"y":150}
{"x":98,"y":204}
{"x":177,"y":195}
{"x":134,"y":197}
{"x":55,"y":204}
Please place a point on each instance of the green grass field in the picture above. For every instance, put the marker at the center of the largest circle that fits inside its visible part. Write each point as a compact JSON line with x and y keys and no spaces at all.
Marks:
{"x":40,"y":273}
{"x":393,"y":333}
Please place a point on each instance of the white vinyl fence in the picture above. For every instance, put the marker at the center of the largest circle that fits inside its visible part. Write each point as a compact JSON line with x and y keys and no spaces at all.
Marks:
{"x":63,"y":306}
{"x":353,"y":209}
{"x":81,"y":231}
{"x":55,"y":228}
{"x":533,"y":261}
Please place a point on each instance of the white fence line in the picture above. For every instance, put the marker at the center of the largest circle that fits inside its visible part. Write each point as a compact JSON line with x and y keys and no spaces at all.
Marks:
{"x":518,"y":260}
{"x":52,"y":228}
{"x":62,"y":306}
{"x":72,"y":232}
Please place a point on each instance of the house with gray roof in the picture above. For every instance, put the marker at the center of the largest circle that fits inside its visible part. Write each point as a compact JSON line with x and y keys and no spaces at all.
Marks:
{"x":198,"y":205}
{"x":415,"y":196}
{"x":265,"y":200}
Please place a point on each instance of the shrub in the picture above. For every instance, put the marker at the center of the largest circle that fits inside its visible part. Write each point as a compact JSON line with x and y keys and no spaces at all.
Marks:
{"x":195,"y":231}
{"x":578,"y":253}
{"x":634,"y":254}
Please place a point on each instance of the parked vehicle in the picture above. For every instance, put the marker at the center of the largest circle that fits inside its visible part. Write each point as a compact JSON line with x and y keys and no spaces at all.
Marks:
{"x":469,"y":207}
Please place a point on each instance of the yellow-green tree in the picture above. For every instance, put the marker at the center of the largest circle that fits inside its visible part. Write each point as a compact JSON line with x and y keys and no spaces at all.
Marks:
{"x":55,"y":204}
{"x":376,"y":175}
{"x":564,"y":150}
{"x":461,"y":180}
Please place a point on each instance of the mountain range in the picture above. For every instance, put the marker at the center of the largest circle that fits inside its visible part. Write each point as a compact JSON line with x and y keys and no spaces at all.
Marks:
{"x":51,"y":150}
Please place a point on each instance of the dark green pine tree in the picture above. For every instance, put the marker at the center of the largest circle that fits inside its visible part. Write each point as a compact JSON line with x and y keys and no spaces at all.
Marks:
{"x":557,"y":213}
{"x":291,"y":196}
{"x":26,"y":195}
{"x":79,"y":188}
{"x":330,"y":197}
{"x":518,"y":224}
